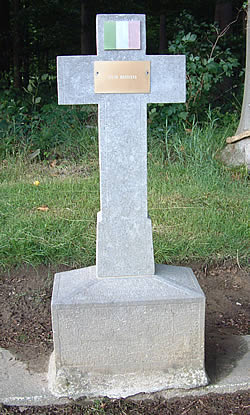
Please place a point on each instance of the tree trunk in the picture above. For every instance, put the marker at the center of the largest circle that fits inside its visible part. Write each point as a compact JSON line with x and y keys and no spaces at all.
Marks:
{"x":244,"y":124}
{"x":237,"y":152}
{"x":84,"y":33}
{"x":223,"y":13}
{"x":16,"y":45}
{"x":163,"y":40}
{"x":4,"y":38}
{"x":25,"y":43}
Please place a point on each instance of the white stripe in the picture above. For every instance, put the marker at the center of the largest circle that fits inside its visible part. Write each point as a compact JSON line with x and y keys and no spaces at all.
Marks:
{"x":122,"y":35}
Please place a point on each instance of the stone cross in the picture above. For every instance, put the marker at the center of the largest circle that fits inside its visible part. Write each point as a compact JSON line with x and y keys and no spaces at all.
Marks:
{"x":122,"y":80}
{"x":121,"y":336}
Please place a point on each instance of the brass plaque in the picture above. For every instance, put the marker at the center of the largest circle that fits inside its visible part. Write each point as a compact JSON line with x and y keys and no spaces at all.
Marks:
{"x":122,"y":77}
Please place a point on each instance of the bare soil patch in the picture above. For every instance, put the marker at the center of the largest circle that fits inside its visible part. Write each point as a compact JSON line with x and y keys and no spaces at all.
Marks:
{"x":25,"y":326}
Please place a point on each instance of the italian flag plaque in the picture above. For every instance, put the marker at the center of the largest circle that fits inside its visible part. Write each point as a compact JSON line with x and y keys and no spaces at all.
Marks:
{"x":122,"y":35}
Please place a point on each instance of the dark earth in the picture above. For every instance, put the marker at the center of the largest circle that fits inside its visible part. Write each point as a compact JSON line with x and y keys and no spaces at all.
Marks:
{"x":25,"y":327}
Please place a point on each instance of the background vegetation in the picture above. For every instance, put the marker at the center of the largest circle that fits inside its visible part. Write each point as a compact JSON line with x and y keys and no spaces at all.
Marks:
{"x":210,"y":33}
{"x":49,"y":183}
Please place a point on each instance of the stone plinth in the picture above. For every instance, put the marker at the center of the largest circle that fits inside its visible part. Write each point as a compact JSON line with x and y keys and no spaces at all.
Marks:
{"x":120,"y":336}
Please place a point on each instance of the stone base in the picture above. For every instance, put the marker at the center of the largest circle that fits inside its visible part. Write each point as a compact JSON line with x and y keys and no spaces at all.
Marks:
{"x":237,"y":154}
{"x":120,"y":336}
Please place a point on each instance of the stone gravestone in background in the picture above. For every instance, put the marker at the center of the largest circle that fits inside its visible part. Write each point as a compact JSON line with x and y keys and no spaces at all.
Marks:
{"x":143,"y":331}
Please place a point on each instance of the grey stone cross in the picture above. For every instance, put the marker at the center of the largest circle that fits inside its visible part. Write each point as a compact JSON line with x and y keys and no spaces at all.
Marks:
{"x":124,"y":232}
{"x":96,"y":317}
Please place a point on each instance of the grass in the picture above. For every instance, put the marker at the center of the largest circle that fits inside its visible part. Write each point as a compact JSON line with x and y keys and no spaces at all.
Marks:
{"x":198,"y":215}
{"x":52,"y":222}
{"x":199,"y":208}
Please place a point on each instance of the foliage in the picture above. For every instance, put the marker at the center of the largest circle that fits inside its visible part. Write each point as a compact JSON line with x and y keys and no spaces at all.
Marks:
{"x":208,"y":68}
{"x":38,"y":85}
{"x":200,"y":143}
{"x":35,"y":127}
{"x":199,"y":208}
{"x":31,"y":121}
{"x":35,"y":123}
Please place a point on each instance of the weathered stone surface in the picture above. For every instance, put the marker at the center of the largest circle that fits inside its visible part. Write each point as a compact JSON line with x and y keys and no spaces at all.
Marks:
{"x":237,"y":154}
{"x":20,"y":386}
{"x":120,"y":328}
{"x":121,"y":336}
{"x":75,"y":74}
{"x":124,"y":232}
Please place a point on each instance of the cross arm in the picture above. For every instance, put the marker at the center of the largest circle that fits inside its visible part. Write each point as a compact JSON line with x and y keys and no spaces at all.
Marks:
{"x":75,"y":80}
{"x":168,"y":78}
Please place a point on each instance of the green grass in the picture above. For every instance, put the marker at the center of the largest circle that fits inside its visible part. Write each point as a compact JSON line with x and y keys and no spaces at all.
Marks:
{"x":199,"y":208}
{"x":197,"y":214}
{"x":65,"y":233}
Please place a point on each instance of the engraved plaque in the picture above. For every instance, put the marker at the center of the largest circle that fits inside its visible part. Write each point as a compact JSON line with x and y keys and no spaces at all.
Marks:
{"x":122,"y":77}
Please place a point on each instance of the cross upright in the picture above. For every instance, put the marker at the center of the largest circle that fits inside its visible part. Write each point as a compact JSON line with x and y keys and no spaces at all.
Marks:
{"x":122,"y":80}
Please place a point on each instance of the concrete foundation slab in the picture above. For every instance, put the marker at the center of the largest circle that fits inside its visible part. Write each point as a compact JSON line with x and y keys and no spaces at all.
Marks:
{"x":121,"y":336}
{"x":19,"y":386}
{"x":22,"y":387}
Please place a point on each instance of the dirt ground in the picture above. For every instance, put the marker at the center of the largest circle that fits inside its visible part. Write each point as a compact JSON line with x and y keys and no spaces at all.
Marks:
{"x":25,"y":326}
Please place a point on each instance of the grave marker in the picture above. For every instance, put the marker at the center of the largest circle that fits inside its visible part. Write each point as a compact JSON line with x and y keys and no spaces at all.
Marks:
{"x":143,"y":331}
{"x":122,"y":82}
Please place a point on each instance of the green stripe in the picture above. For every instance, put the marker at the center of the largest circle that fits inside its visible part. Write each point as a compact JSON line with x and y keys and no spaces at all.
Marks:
{"x":109,"y":35}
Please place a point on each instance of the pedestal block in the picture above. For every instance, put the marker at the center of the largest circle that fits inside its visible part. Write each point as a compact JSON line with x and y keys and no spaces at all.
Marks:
{"x":120,"y":336}
{"x":129,"y":242}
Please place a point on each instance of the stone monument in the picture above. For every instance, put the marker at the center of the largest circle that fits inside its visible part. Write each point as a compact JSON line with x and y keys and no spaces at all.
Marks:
{"x":125,"y":325}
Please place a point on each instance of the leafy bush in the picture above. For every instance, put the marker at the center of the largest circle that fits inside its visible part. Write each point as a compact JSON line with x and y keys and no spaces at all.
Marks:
{"x":35,"y":124}
{"x":208,"y":65}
